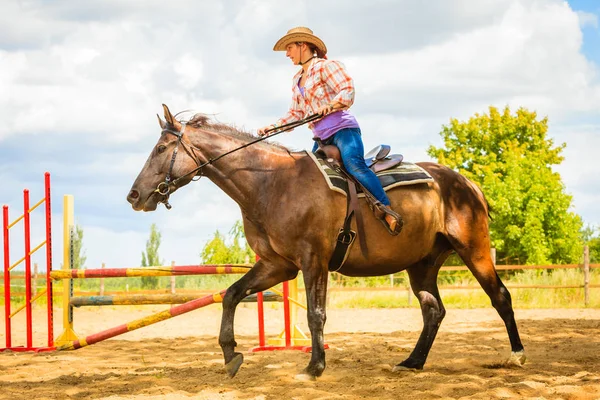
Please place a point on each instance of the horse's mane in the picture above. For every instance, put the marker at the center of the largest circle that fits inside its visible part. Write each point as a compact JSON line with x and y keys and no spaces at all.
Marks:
{"x":203,"y":121}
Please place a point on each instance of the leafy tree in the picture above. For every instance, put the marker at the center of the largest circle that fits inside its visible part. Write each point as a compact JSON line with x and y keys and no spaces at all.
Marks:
{"x":217,"y":251}
{"x":594,"y":245}
{"x":151,"y":258}
{"x":511,"y":158}
{"x":592,"y":240}
{"x":241,"y":254}
{"x":79,"y":257}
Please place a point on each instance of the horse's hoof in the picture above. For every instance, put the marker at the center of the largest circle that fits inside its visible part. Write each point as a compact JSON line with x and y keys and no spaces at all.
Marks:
{"x":402,"y":368}
{"x":408,"y":365}
{"x":305,"y":377}
{"x":234,"y":365}
{"x":311,"y":372}
{"x":516,"y":359}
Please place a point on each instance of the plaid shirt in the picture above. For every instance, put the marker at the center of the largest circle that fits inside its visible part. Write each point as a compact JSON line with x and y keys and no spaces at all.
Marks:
{"x":326,"y":82}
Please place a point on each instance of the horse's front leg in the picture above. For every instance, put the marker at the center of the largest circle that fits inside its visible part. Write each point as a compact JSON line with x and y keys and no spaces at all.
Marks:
{"x":262,"y":276}
{"x":315,"y":281}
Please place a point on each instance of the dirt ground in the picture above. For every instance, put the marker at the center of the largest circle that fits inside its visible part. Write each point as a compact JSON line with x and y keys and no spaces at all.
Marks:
{"x":180,"y":358}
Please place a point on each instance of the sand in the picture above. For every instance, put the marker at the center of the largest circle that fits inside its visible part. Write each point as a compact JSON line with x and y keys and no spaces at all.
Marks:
{"x":180,"y":358}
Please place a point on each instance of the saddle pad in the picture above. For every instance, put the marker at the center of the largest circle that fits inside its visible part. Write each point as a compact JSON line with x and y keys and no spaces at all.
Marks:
{"x":402,"y":175}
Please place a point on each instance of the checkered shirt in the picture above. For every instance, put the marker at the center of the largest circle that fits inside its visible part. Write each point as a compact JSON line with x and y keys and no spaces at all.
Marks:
{"x":327,"y":82}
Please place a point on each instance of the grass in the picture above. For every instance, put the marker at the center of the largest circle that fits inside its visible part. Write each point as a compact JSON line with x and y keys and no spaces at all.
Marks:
{"x":348,"y":294}
{"x":465,"y":299}
{"x":476,"y":298}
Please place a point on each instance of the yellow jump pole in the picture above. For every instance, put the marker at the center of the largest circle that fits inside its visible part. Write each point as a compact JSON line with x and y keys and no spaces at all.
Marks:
{"x":298,"y":338}
{"x":139,"y":299}
{"x":142,"y":322}
{"x":68,"y":335}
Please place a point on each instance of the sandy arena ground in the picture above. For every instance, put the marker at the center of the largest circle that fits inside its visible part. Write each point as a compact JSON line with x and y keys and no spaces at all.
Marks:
{"x":180,"y":358}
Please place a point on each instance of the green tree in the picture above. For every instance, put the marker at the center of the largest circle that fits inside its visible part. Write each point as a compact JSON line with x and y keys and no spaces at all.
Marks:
{"x":591,"y":239}
{"x":217,"y":251}
{"x":510,"y":157}
{"x":79,"y":257}
{"x":594,"y":245}
{"x":151,"y":258}
{"x":240,"y":254}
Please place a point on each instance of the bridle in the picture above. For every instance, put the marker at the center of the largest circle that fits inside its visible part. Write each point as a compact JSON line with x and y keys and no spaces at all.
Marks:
{"x":164,"y":188}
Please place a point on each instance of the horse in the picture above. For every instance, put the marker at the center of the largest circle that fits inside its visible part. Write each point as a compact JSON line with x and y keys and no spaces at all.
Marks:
{"x":291,"y":219}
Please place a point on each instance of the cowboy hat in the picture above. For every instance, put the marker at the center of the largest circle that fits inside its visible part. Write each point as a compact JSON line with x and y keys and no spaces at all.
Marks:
{"x":301,"y":34}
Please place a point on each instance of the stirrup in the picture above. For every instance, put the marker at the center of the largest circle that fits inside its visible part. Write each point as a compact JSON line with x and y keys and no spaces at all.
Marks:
{"x":380,"y":211}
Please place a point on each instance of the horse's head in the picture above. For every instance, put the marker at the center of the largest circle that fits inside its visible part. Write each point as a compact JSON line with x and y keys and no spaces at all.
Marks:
{"x":171,"y":165}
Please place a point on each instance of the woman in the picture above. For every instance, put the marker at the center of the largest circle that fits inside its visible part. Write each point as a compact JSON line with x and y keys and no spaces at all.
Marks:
{"x":324,"y":87}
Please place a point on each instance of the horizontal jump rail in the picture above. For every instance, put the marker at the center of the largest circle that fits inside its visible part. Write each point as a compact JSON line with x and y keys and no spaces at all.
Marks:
{"x":142,"y":299}
{"x":142,"y":322}
{"x":61,"y":274}
{"x":208,"y":269}
{"x":500,"y":267}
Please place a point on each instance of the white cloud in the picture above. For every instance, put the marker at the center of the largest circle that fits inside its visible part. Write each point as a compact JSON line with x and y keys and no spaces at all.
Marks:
{"x":579,"y":139}
{"x":530,"y":57}
{"x":587,"y":19}
{"x":115,"y":249}
{"x":80,"y":84}
{"x":189,"y":69}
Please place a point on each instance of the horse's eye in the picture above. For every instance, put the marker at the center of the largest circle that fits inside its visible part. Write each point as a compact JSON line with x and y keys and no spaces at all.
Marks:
{"x":161,"y":148}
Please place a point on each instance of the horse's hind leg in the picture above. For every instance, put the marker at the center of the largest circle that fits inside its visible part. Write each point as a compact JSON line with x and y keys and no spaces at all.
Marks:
{"x":478,"y":259}
{"x":262,"y":276}
{"x":423,"y":281}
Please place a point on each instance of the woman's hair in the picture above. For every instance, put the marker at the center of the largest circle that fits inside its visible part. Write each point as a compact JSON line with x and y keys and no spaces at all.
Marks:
{"x":313,"y":49}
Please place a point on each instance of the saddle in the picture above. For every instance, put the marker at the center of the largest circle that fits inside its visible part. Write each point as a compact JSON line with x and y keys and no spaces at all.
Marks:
{"x":378,"y":159}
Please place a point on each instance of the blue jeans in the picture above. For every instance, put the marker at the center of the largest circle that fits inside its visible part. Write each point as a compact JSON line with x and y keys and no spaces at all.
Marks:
{"x":349,"y":141}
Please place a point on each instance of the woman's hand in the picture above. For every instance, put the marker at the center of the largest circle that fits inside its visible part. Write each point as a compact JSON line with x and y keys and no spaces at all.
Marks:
{"x":329,"y":108}
{"x":325,"y":110}
{"x":263,"y":131}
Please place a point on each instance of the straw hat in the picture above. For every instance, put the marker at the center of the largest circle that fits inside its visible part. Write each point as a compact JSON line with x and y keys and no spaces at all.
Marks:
{"x":301,"y":34}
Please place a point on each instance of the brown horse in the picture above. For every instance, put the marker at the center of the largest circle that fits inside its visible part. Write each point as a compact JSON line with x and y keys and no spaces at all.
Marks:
{"x":291,"y":219}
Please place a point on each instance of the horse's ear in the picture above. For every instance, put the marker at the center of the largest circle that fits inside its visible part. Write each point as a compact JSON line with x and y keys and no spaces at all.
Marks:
{"x":162,"y":123}
{"x":168,"y":116}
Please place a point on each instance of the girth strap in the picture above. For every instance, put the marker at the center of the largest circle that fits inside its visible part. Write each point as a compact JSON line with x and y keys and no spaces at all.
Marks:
{"x":346,"y":235}
{"x":343,"y":243}
{"x":360,"y":225}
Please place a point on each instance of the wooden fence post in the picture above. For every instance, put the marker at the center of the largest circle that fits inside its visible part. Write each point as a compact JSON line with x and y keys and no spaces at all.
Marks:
{"x":172,"y":279}
{"x":102,"y":282}
{"x":586,"y":275}
{"x":493,"y":254}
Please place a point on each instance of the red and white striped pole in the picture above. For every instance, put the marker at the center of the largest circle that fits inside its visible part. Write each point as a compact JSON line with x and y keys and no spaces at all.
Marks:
{"x":30,"y":296}
{"x":6,"y":276}
{"x":286,"y":314}
{"x":27,"y":269}
{"x":261,"y":319}
{"x":48,"y":213}
{"x":261,"y":315}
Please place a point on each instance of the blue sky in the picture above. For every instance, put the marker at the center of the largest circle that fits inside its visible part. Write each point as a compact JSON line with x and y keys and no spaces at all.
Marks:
{"x":81,"y":82}
{"x":591,"y":31}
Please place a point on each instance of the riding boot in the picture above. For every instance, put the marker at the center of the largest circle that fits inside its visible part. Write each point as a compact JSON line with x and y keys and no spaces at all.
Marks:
{"x":382,"y":211}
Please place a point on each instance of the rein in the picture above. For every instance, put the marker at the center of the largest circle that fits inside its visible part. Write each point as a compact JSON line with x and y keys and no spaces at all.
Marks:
{"x":164,"y":188}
